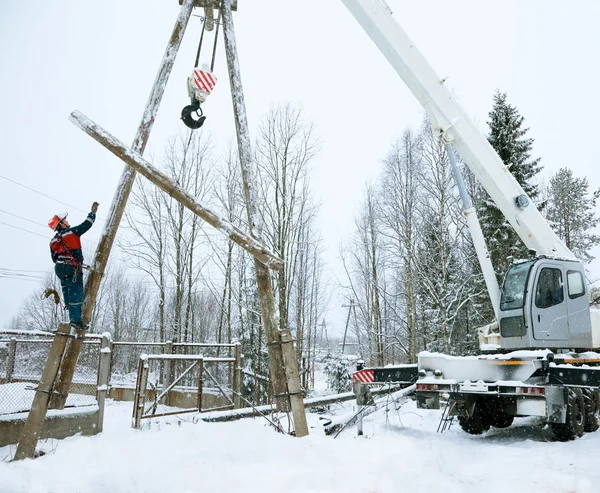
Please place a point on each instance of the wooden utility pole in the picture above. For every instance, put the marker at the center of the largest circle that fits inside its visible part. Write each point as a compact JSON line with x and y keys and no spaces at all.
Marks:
{"x":295,"y":390}
{"x":39,"y":407}
{"x":263,"y":280}
{"x":350,"y":307}
{"x":67,"y":368}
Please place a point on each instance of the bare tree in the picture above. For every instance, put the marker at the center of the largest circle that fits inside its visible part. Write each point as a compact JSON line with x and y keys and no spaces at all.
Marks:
{"x":365,"y":272}
{"x":400,"y":189}
{"x":164,"y":238}
{"x":285,"y":147}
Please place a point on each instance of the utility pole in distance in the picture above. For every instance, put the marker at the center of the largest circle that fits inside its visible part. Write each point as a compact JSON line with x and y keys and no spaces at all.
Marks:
{"x":350,"y":307}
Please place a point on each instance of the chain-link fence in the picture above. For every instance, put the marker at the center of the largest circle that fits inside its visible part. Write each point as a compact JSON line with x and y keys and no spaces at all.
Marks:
{"x":23,"y":357}
{"x":125,"y":360}
{"x":22,"y":362}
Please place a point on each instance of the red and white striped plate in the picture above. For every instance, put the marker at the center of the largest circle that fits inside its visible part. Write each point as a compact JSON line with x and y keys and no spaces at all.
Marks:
{"x":363,"y":376}
{"x":204,"y":80}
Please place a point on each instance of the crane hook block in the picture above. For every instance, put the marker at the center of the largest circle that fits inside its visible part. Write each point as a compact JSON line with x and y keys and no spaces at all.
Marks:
{"x":200,"y":84}
{"x":189,"y":120}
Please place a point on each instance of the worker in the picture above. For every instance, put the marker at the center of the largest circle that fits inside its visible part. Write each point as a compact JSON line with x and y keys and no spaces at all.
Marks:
{"x":65,"y":249}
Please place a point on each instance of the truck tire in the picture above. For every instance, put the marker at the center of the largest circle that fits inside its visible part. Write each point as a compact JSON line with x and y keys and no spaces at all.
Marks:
{"x":574,"y":426}
{"x":477,"y":423}
{"x":592,"y":409}
{"x":499,"y":418}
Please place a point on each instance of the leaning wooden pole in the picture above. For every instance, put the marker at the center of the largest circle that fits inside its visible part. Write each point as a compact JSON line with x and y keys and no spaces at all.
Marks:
{"x":162,"y":181}
{"x":117,"y":208}
{"x":39,"y":407}
{"x":263,"y":280}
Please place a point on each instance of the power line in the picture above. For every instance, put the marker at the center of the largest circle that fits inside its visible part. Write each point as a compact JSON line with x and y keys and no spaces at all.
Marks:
{"x":16,"y":273}
{"x":2,"y":276}
{"x":23,"y":270}
{"x":47,"y":196}
{"x":23,"y":218}
{"x":42,"y":194}
{"x":26,"y":230}
{"x":38,"y":224}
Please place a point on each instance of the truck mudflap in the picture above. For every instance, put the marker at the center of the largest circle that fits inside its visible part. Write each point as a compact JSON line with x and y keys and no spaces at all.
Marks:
{"x":556,"y":403}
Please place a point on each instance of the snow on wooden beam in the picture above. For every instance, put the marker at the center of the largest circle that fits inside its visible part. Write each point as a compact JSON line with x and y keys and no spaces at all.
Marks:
{"x":144,"y":168}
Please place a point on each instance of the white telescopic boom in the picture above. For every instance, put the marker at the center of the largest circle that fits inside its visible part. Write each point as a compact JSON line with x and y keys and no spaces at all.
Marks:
{"x":483,"y":255}
{"x":453,"y":125}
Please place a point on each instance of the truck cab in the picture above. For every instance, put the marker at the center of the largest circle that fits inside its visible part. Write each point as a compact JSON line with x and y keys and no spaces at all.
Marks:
{"x":544,"y":303}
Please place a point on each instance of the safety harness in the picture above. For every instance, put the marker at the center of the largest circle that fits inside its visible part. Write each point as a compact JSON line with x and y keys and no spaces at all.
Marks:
{"x":64,"y":256}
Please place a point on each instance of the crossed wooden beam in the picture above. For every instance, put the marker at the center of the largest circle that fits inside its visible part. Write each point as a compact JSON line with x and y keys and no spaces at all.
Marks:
{"x":162,"y":181}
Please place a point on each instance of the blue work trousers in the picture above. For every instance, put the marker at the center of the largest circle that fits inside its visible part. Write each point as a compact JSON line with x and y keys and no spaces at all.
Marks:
{"x":71,"y":281}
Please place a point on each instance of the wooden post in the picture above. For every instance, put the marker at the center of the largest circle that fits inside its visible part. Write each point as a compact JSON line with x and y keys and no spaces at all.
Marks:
{"x":167,"y":376}
{"x":120,"y":200}
{"x":237,"y":377}
{"x":10,"y":363}
{"x":162,"y":181}
{"x":140,"y":393}
{"x":263,"y":280}
{"x":103,"y":377}
{"x":39,"y":408}
{"x":293,"y":380}
{"x":200,"y":383}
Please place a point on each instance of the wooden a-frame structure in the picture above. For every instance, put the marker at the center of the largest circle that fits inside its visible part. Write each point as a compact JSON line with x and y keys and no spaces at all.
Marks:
{"x":58,"y":373}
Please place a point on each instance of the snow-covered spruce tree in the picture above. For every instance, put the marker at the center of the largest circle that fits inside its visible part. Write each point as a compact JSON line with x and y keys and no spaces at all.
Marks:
{"x":337,"y":370}
{"x":508,"y":137}
{"x":571,"y":212}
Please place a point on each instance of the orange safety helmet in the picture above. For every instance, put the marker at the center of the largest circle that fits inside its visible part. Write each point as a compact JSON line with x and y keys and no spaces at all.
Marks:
{"x":56,"y":220}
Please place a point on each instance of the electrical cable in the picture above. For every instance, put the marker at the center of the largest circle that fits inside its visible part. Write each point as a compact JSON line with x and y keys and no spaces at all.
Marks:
{"x":26,"y":230}
{"x":47,"y":196}
{"x":42,"y":194}
{"x":23,"y":270}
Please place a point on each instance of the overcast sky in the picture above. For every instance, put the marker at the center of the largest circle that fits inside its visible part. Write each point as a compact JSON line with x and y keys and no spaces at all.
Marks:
{"x":101,"y":58}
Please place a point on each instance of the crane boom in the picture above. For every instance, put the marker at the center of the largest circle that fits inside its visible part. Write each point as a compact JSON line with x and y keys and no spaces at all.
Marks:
{"x":454,"y":126}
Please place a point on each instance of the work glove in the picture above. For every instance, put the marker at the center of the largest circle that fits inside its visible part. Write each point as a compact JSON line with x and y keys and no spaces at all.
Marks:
{"x":95,"y":207}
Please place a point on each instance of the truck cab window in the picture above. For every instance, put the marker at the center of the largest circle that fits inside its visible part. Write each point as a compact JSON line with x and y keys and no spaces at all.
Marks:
{"x":575,"y":284}
{"x":513,"y":289}
{"x":549,"y":290}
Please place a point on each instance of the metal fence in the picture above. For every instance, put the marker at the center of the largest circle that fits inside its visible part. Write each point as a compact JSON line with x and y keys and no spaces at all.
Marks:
{"x":22,"y":361}
{"x":23,"y":356}
{"x":169,"y":384}
{"x":125,"y":359}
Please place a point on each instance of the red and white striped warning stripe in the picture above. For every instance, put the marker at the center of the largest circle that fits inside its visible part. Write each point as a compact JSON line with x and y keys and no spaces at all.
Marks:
{"x":204,"y":80}
{"x":363,"y":376}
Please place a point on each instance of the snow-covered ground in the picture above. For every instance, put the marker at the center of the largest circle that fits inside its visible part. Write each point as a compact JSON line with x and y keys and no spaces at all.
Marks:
{"x":400,"y":452}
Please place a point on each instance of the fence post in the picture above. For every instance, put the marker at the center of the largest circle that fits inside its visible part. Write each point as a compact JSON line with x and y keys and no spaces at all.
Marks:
{"x":237,"y":377}
{"x":10,"y":364}
{"x":200,"y":383}
{"x":103,"y":377}
{"x":293,"y":381}
{"x":166,"y":368}
{"x":140,"y":392}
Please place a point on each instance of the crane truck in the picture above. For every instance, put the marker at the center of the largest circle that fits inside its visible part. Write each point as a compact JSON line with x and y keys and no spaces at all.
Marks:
{"x":545,"y":334}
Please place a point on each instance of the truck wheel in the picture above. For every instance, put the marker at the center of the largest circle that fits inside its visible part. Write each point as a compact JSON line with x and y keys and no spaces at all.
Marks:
{"x":575,"y":423}
{"x":592,"y":409}
{"x":498,"y":418}
{"x":475,"y":424}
